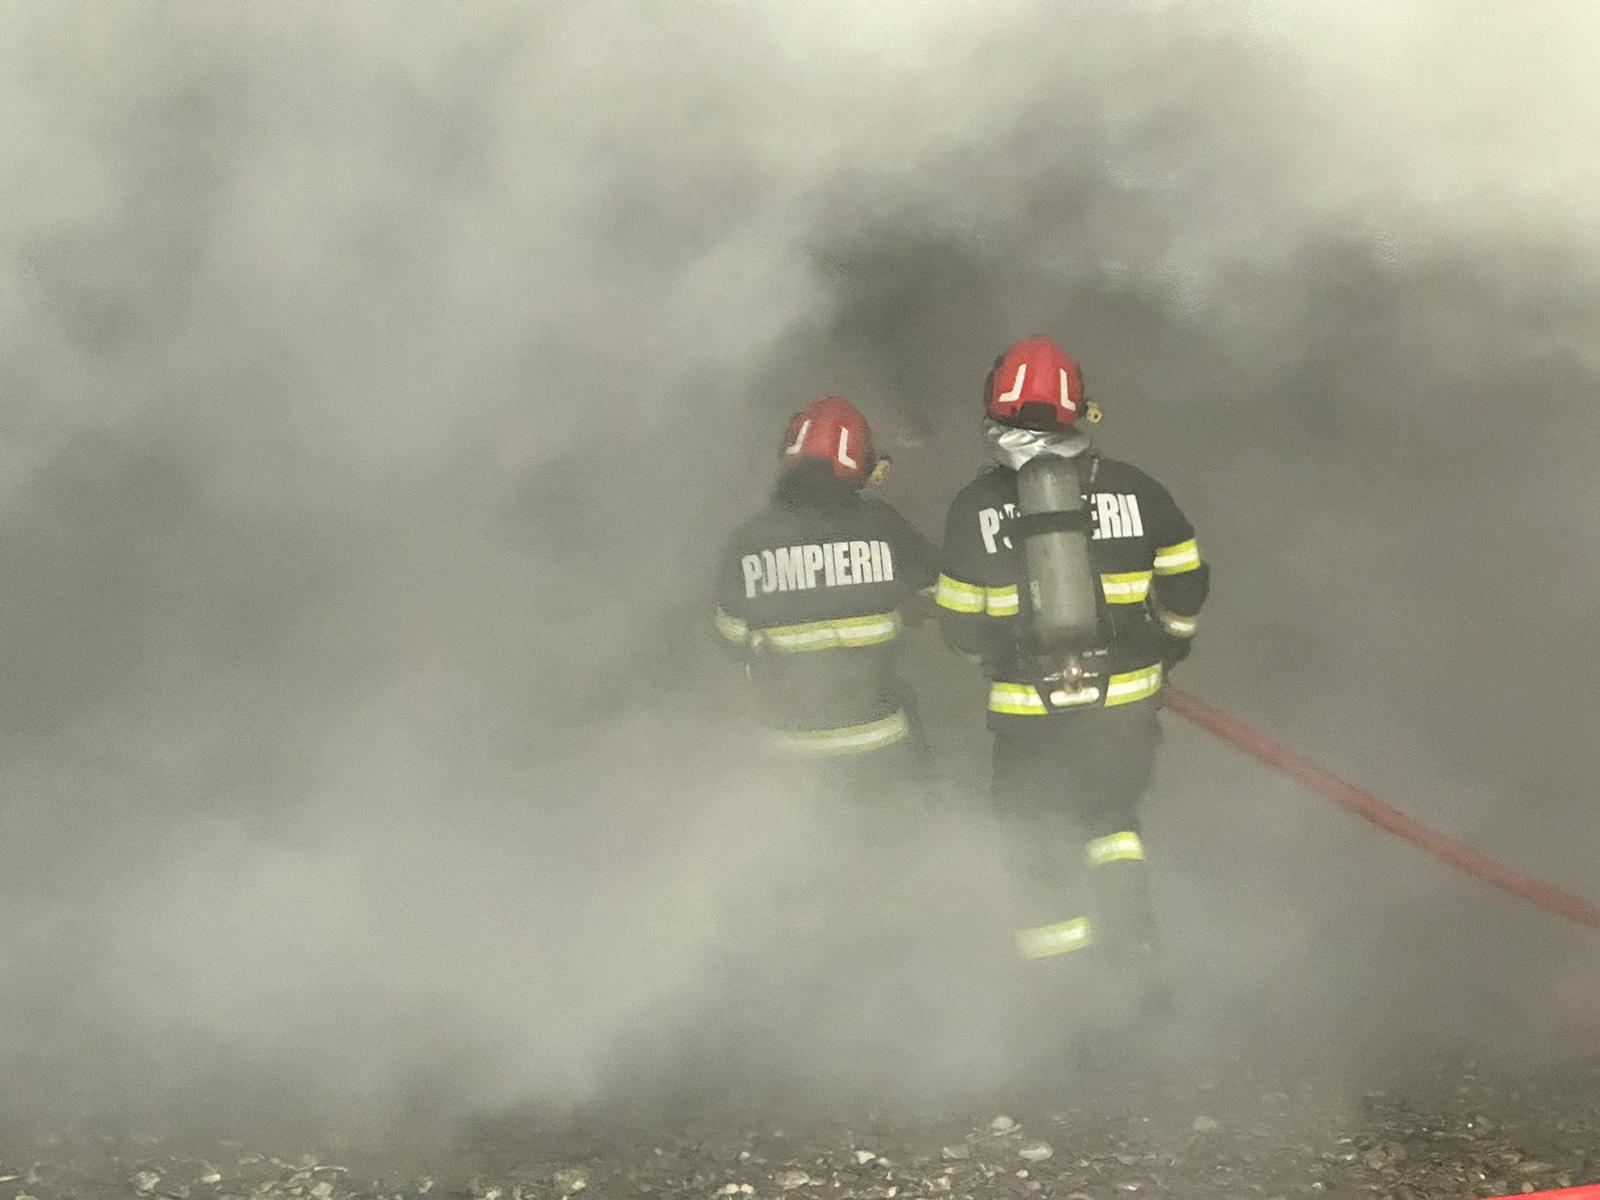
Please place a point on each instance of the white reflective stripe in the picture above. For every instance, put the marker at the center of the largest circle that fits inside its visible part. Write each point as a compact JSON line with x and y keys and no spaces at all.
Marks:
{"x":1084,"y":695}
{"x":1116,"y":847}
{"x":820,"y":635}
{"x":1015,"y":698}
{"x":731,"y":627}
{"x":1176,"y":562}
{"x":1176,"y":625}
{"x":1181,"y":557}
{"x":1133,"y":685}
{"x":1126,"y":589}
{"x":1045,"y":941}
{"x":879,"y":629}
{"x":1003,"y":601}
{"x":1135,"y":681}
{"x":1023,"y":699}
{"x":848,"y":739}
{"x":957,"y":596}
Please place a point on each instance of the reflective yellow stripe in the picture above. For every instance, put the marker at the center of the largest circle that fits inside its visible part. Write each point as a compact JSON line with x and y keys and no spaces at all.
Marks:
{"x":1045,"y":941}
{"x":1130,"y":587}
{"x":957,"y":596}
{"x":732,"y":628}
{"x":1116,"y":847}
{"x":1023,"y":699}
{"x":1133,"y":685}
{"x":1175,"y":560}
{"x":1174,"y":624}
{"x":1018,"y":699}
{"x":847,"y":739}
{"x":1002,"y":601}
{"x":827,"y":635}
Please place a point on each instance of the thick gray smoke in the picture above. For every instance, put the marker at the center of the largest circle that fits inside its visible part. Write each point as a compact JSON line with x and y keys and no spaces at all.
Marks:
{"x":378,"y":381}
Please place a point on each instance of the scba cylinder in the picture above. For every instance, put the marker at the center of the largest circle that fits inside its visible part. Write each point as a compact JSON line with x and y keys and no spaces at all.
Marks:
{"x":1054,"y":528}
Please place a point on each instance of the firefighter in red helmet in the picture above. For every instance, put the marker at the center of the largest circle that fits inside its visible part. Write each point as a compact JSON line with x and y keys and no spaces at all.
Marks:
{"x":1076,"y":580}
{"x":810,"y":596}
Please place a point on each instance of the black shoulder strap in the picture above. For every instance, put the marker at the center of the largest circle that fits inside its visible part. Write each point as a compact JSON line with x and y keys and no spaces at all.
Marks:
{"x":1034,"y":524}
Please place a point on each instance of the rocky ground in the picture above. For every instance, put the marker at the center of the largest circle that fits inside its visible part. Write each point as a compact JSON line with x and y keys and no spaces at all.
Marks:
{"x":1467,"y":1130}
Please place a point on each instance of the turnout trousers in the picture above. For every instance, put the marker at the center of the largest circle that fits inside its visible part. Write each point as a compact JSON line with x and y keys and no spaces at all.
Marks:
{"x":1066,"y":792}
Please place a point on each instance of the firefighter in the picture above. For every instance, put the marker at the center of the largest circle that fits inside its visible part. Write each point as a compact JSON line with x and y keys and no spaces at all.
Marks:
{"x":1075,"y":580}
{"x":810,"y":598}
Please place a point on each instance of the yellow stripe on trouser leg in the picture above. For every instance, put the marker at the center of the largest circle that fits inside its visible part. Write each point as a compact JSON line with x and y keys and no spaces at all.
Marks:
{"x":1046,"y":941}
{"x":847,"y":739}
{"x":1177,"y":626}
{"x":1116,"y":847}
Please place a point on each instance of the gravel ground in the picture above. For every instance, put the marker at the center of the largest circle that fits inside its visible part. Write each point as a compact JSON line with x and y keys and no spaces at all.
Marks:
{"x":1464,"y":1129}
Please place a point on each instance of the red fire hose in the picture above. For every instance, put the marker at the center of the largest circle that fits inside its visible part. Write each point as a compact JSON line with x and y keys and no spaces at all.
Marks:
{"x":1323,"y":783}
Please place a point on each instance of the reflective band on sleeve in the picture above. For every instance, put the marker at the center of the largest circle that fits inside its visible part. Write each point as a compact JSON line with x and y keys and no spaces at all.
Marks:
{"x":1174,"y":624}
{"x":847,"y":739}
{"x":1046,"y":941}
{"x":1133,"y":685}
{"x":1130,"y":587}
{"x":1018,"y":699}
{"x":1175,"y":560}
{"x":1002,"y":601}
{"x":827,"y":635}
{"x":959,"y":597}
{"x":1116,"y":847}
{"x":732,"y":628}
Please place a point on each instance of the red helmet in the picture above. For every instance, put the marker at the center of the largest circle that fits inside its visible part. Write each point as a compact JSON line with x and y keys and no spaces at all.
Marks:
{"x":1037,"y":384}
{"x":833,"y":431}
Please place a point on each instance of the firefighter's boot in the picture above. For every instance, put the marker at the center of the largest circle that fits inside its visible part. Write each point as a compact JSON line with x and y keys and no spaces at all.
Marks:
{"x":1126,"y":931}
{"x":1058,"y":985}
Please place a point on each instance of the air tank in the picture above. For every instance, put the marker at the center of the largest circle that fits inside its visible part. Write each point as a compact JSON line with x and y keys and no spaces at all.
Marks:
{"x":1055,"y":529}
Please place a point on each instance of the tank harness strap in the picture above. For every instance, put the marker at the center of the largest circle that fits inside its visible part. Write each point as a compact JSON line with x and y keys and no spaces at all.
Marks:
{"x":1032,"y":524}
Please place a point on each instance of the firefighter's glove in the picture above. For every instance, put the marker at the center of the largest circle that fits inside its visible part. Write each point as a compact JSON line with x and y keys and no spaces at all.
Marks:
{"x":1174,"y":650}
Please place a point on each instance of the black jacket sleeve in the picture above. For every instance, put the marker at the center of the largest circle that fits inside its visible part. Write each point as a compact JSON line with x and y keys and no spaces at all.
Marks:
{"x":977,"y":592}
{"x":1182,"y":578}
{"x":916,"y":561}
{"x":729,"y":619}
